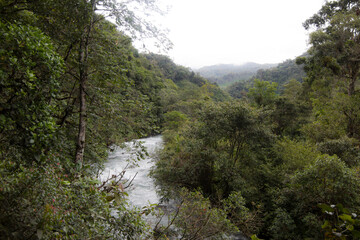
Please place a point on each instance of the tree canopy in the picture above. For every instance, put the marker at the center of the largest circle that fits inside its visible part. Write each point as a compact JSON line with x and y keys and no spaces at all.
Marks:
{"x":278,"y":159}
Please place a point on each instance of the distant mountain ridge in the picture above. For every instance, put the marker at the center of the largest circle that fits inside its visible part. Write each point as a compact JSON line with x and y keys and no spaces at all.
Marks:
{"x":226,"y":74}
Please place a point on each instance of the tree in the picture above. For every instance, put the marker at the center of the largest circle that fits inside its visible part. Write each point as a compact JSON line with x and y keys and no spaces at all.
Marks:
{"x":29,"y":72}
{"x":327,"y":181}
{"x":77,"y":25}
{"x":220,"y":152}
{"x":238,"y":89}
{"x":282,"y":73}
{"x":334,"y":62}
{"x":263,"y":93}
{"x":336,"y":41}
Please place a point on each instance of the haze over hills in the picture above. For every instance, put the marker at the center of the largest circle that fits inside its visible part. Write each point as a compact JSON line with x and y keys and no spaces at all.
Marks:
{"x":226,"y":74}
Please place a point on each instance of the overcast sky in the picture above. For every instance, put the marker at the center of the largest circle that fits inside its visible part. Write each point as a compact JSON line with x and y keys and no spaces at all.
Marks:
{"x":208,"y":32}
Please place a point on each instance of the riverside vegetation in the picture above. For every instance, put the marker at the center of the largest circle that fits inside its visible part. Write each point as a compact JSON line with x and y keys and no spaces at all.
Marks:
{"x":279,"y":162}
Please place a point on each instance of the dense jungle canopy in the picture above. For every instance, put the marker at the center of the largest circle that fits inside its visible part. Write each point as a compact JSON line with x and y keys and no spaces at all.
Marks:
{"x":273,"y":157}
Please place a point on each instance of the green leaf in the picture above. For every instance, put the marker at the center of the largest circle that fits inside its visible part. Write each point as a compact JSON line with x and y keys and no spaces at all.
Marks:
{"x":254,"y":237}
{"x":326,"y":225}
{"x":125,"y":193}
{"x":325,"y":207}
{"x":347,"y":218}
{"x":67,"y":183}
{"x":342,"y":209}
{"x":350,"y":227}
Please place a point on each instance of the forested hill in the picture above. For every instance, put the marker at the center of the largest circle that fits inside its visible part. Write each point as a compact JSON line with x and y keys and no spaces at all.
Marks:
{"x":225,"y":74}
{"x":183,"y":89}
{"x":280,"y":74}
{"x":176,"y":73}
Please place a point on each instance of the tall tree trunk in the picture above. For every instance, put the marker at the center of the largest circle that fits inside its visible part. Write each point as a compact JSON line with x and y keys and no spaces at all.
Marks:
{"x":80,"y":145}
{"x":351,"y":128}
{"x":351,"y":87}
{"x":83,"y":78}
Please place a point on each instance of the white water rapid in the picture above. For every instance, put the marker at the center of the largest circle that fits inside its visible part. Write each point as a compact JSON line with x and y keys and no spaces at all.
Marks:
{"x":142,"y":190}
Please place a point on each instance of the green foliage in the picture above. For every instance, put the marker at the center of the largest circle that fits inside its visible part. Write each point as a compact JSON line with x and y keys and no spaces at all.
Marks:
{"x":254,"y":237}
{"x":44,"y":202}
{"x":258,"y":168}
{"x":174,"y":120}
{"x":43,"y":195}
{"x":289,"y":117}
{"x":224,"y":142}
{"x":263,"y":93}
{"x":184,"y":91}
{"x":327,"y":181}
{"x":341,"y":224}
{"x":282,"y":73}
{"x":238,"y":89}
{"x":329,"y":176}
{"x":175,"y":72}
{"x":335,"y":116}
{"x":283,"y":226}
{"x":229,"y":148}
{"x":345,"y":148}
{"x":223,"y":154}
{"x":295,"y":155}
{"x":29,"y":84}
{"x":334,"y":43}
{"x":292,"y":90}
{"x":247,"y":221}
{"x":122,"y":94}
{"x":197,"y":219}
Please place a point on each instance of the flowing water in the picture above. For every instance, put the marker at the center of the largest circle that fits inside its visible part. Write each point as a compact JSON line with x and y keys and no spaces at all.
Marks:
{"x":140,"y":187}
{"x":142,"y":190}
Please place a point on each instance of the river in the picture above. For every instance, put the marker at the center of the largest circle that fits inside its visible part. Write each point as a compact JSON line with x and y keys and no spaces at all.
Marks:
{"x":142,"y":190}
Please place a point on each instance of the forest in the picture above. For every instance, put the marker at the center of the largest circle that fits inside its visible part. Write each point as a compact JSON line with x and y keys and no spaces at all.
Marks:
{"x":276,"y":157}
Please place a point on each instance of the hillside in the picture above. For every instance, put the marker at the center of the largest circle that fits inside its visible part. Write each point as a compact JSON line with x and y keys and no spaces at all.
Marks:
{"x":280,"y":74}
{"x":225,"y":74}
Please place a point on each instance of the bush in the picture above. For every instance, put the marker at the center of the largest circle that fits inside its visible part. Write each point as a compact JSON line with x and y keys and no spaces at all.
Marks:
{"x":43,"y":202}
{"x":195,"y":218}
{"x":327,"y":181}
